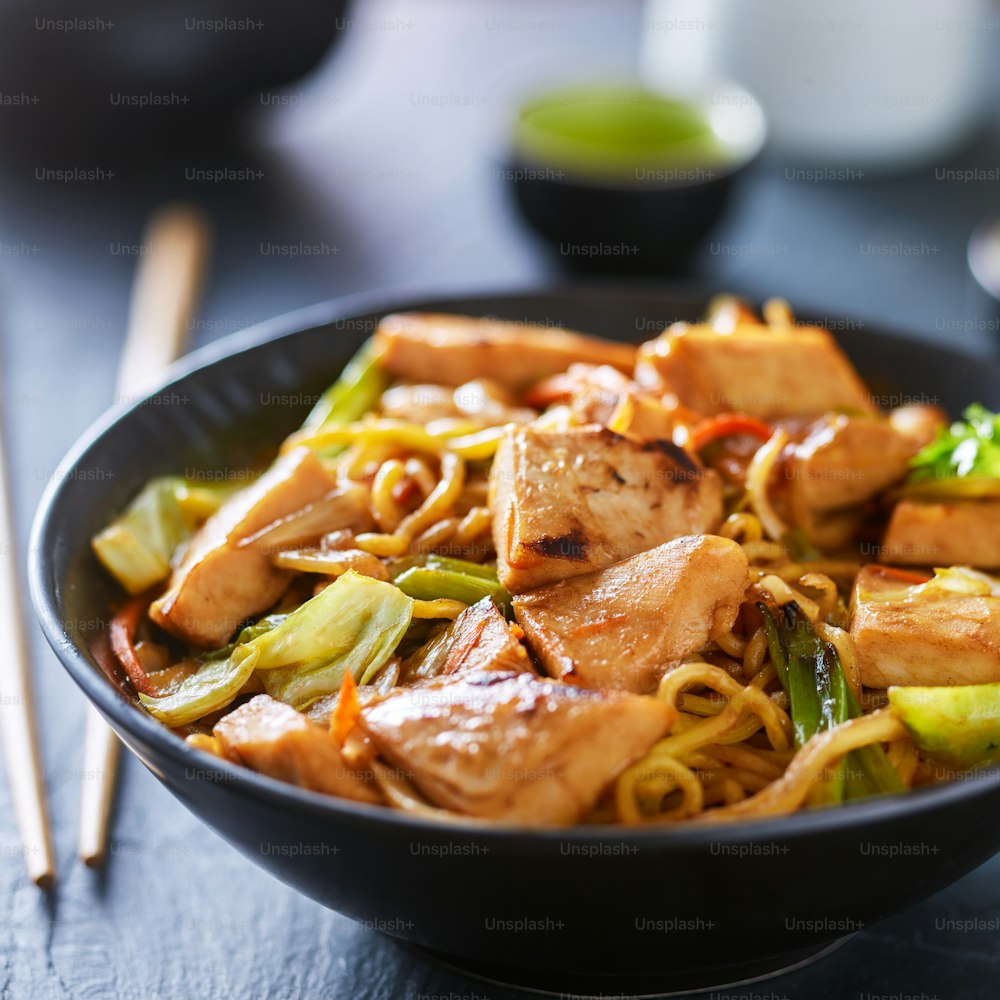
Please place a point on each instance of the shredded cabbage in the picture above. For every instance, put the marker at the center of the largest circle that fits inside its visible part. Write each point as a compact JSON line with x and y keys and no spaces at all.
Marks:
{"x":138,"y":548}
{"x":354,"y":624}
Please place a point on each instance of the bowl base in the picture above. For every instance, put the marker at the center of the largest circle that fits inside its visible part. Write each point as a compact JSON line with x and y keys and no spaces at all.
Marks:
{"x":576,"y":986}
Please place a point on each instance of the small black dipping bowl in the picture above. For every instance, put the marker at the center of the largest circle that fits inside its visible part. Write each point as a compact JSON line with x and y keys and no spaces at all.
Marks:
{"x":611,"y":193}
{"x":598,"y":910}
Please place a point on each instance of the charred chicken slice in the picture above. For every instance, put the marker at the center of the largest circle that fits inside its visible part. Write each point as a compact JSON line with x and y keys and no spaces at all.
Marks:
{"x":623,"y":626}
{"x":569,"y":502}
{"x":511,"y":746}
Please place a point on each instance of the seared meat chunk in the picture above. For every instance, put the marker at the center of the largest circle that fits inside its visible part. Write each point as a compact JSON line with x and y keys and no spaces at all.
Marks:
{"x":593,"y":392}
{"x":769,"y":372}
{"x":419,"y":404}
{"x":478,"y":639}
{"x":919,"y":421}
{"x":624,"y":626}
{"x":846,"y":460}
{"x":452,"y":350}
{"x":944,"y":534}
{"x":340,"y":513}
{"x":602,"y":395}
{"x":569,"y":502}
{"x":272,"y":738}
{"x":908,"y":634}
{"x":481,"y":401}
{"x":511,"y":746}
{"x":220,"y":583}
{"x":481,"y":639}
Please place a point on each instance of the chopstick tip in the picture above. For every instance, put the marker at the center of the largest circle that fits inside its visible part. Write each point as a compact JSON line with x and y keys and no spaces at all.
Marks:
{"x":44,"y":880}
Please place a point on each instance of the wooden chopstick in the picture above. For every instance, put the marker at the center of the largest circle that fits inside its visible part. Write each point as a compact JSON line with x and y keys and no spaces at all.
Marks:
{"x":167,"y":282}
{"x":164,"y":294}
{"x":17,"y":713}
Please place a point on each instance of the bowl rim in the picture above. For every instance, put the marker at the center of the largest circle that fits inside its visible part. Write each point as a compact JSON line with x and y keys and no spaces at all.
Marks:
{"x":209,"y":769}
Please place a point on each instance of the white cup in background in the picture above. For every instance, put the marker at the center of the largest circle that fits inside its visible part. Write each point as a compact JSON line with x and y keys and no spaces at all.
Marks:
{"x":874,"y":83}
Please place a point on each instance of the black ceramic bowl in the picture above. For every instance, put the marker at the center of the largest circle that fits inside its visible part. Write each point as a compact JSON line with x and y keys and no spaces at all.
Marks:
{"x":590,"y":909}
{"x":650,"y":220}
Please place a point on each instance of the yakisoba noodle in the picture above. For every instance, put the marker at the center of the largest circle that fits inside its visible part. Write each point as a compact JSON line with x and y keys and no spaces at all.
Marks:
{"x":735,"y":748}
{"x":447,"y":514}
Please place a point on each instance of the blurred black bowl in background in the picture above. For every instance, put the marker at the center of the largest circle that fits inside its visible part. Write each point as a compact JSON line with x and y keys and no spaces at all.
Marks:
{"x":136,"y":78}
{"x":641,"y":216}
{"x":634,"y":229}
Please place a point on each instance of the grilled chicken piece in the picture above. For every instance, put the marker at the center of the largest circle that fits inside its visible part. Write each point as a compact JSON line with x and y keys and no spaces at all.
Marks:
{"x":452,"y":350}
{"x":919,"y":421}
{"x":272,"y":738}
{"x":593,"y":392}
{"x":768,"y":372}
{"x":602,"y":393}
{"x":481,"y":639}
{"x":418,"y":404}
{"x":478,"y":639}
{"x":846,"y":460}
{"x":482,"y":401}
{"x":910,"y":635}
{"x":573,"y":501}
{"x":487,"y":401}
{"x":341,"y":512}
{"x":646,"y":417}
{"x":511,"y":746}
{"x":624,"y":626}
{"x":220,"y":583}
{"x":944,"y":534}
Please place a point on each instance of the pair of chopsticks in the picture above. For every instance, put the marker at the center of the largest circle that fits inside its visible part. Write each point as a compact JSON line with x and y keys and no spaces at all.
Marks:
{"x":164,"y":293}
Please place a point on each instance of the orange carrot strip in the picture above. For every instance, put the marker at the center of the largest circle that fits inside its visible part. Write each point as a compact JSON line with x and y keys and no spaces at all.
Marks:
{"x":347,"y":711}
{"x":122,"y":636}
